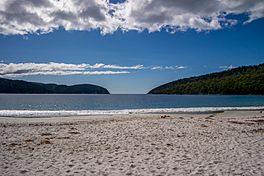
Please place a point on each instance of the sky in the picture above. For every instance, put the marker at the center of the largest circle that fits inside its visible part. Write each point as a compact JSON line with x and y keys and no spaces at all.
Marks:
{"x":127,"y":46}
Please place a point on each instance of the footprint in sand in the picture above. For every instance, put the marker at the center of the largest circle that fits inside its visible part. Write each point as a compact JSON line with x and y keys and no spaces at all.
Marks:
{"x":45,"y":141}
{"x":204,"y":126}
{"x":74,"y":132}
{"x":45,"y":134}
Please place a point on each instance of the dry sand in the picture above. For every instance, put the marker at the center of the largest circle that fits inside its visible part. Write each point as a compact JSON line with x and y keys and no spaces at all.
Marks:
{"x":229,"y":143}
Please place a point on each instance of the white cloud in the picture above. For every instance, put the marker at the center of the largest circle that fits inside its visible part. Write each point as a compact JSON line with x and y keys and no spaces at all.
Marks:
{"x":176,"y":15}
{"x":96,"y":66}
{"x":63,"y":73}
{"x":180,"y":67}
{"x":168,"y":67}
{"x":43,"y":16}
{"x":228,"y":67}
{"x":52,"y":68}
{"x":157,"y":68}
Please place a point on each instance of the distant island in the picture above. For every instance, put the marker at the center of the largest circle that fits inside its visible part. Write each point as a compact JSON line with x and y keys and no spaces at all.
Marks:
{"x":243,"y":80}
{"x":18,"y":86}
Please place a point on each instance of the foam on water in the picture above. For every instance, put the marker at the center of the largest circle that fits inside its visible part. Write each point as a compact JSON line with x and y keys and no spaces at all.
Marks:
{"x":64,"y":113}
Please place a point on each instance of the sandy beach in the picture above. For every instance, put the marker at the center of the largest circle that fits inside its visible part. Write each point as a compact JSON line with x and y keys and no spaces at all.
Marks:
{"x":223,"y":143}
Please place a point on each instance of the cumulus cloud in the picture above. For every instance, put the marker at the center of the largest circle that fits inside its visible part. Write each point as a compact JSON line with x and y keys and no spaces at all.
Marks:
{"x":176,"y":15}
{"x":52,"y":68}
{"x":43,"y":16}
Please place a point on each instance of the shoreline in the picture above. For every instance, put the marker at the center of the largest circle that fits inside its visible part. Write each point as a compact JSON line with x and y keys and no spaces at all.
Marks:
{"x":226,"y":143}
{"x":72,"y":113}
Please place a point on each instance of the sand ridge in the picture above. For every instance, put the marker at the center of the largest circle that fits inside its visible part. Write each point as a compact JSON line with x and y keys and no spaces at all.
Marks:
{"x":229,"y":143}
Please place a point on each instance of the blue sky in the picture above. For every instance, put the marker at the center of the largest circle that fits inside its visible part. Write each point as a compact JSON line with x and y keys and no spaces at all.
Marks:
{"x":146,"y":57}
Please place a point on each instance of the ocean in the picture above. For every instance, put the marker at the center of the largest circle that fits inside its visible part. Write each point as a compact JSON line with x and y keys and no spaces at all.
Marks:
{"x":35,"y":105}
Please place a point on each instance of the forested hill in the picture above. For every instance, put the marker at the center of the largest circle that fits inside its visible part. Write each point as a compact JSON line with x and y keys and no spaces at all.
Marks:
{"x":17,"y":86}
{"x":238,"y":81}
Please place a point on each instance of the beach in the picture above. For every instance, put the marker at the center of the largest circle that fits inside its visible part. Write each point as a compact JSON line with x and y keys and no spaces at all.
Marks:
{"x":208,"y":143}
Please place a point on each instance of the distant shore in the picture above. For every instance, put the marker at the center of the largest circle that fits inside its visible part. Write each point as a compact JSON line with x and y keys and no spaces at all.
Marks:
{"x":210,"y":143}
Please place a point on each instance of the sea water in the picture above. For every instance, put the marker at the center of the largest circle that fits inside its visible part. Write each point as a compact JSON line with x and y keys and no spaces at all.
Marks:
{"x":35,"y":105}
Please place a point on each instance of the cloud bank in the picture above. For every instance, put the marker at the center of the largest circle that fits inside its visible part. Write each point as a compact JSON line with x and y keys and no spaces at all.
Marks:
{"x":53,"y":68}
{"x":43,"y":16}
{"x":168,"y":67}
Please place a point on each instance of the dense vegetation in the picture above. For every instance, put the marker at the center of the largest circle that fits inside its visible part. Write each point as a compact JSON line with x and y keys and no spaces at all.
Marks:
{"x":238,"y":81}
{"x":17,"y":86}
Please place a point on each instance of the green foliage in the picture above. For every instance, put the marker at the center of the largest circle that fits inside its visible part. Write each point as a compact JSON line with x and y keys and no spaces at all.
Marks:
{"x":17,"y":86}
{"x":238,"y":81}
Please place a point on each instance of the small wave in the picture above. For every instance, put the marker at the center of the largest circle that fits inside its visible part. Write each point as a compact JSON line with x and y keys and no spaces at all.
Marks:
{"x":64,"y":113}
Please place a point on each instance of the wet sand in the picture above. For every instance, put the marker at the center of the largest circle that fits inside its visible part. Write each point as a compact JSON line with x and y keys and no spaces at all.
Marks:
{"x":221,"y":143}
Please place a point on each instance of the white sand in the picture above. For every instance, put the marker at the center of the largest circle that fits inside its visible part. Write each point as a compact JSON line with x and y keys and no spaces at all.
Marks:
{"x":230,"y":143}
